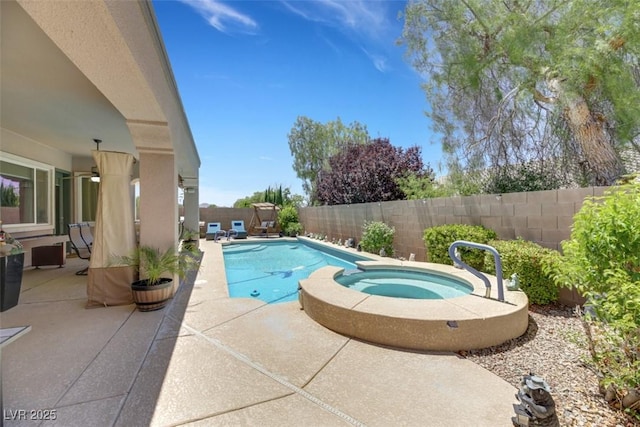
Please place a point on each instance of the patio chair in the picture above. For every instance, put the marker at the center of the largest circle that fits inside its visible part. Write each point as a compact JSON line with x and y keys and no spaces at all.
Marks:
{"x":85,"y":233}
{"x":264,"y":220}
{"x":214,"y":231}
{"x":237,"y":230}
{"x":266,"y":227}
{"x":78,"y":244}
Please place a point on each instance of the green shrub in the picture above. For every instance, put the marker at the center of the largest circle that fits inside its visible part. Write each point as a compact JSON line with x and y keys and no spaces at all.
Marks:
{"x":8,"y":196}
{"x":602,"y":261}
{"x":286,"y":216}
{"x":422,"y":187}
{"x":293,"y":229}
{"x":377,"y":235}
{"x":527,"y":260}
{"x":525,"y":177}
{"x":438,"y":239}
{"x":601,"y":258}
{"x":616,"y":356}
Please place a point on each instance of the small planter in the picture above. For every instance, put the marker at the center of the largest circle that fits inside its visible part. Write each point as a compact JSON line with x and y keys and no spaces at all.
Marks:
{"x":153,"y":291}
{"x":152,"y":297}
{"x":190,"y":245}
{"x":190,"y":241}
{"x":10,"y":280}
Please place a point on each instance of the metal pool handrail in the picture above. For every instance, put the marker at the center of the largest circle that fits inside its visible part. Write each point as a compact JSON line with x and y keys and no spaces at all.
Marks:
{"x":482,"y":276}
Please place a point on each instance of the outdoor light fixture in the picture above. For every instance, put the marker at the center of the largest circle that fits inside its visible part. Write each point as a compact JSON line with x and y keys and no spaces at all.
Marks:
{"x":95,"y":176}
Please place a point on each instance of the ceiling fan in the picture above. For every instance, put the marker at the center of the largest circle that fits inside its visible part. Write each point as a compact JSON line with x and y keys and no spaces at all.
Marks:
{"x":94,"y":176}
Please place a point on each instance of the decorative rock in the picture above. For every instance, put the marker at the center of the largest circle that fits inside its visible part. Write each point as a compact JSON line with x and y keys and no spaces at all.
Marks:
{"x":512,"y":284}
{"x":632,"y":400}
{"x":536,"y":407}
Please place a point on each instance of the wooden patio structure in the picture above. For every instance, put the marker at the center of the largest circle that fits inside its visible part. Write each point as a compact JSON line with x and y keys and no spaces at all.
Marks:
{"x":264,"y":220}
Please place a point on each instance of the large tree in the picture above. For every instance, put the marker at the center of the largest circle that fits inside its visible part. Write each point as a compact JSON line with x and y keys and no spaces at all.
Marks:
{"x":369,"y":173}
{"x":520,"y":80}
{"x":312,"y":143}
{"x":277,"y":195}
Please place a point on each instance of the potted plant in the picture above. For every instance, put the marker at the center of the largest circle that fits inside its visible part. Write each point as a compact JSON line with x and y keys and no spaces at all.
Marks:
{"x":156,"y":269}
{"x":293,"y":229}
{"x":289,"y":221}
{"x":11,"y":265}
{"x":190,"y":240}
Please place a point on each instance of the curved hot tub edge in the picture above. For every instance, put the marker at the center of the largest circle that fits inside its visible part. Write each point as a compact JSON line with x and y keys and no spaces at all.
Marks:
{"x":463,"y":323}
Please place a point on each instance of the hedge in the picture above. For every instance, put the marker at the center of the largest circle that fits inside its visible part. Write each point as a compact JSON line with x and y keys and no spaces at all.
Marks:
{"x":527,"y":260}
{"x":438,"y":239}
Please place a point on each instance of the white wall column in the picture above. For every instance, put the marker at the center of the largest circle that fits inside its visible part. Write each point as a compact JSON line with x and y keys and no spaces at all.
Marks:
{"x":191,"y":208}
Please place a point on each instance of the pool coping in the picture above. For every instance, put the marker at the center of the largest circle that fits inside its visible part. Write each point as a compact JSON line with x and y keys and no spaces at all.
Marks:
{"x":207,"y":359}
{"x":461,"y":323}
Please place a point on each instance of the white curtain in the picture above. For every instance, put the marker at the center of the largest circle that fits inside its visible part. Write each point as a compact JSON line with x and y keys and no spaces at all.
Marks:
{"x":109,"y":284}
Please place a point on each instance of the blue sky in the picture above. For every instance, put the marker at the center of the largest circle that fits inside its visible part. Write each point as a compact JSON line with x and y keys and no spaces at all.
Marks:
{"x":247,"y":69}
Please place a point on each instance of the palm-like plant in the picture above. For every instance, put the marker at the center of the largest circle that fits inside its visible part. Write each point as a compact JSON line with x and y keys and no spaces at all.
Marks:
{"x":153,"y":265}
{"x":189,"y":241}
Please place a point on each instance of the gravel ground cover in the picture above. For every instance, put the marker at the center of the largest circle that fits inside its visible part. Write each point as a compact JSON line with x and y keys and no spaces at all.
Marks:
{"x":555,"y":348}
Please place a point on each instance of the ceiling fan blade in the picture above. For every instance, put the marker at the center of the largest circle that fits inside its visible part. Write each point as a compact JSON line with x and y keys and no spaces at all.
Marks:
{"x":80,"y":175}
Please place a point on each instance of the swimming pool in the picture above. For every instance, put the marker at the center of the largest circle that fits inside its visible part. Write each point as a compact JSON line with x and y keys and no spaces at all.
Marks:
{"x":398,"y":283}
{"x":270,"y":271}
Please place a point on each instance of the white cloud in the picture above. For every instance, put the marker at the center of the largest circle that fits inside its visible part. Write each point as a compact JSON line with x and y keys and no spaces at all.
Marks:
{"x":379,"y":61}
{"x":222,"y":17}
{"x":366,"y":22}
{"x":365,"y":17}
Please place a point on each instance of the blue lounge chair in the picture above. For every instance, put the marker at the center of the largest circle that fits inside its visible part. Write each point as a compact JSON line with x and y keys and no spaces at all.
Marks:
{"x":214,"y":231}
{"x":237,"y":230}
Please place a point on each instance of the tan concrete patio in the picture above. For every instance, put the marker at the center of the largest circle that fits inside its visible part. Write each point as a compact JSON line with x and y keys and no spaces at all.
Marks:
{"x":211,"y":360}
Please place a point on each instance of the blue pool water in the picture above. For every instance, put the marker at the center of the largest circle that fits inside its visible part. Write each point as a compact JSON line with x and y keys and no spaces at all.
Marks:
{"x":405,"y":284}
{"x":270,"y":271}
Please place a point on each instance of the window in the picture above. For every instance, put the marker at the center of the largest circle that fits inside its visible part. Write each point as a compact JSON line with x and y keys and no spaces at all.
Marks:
{"x":25,"y":191}
{"x":87,"y":191}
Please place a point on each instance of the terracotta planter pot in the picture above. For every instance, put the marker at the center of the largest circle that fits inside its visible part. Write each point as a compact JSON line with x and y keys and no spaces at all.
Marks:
{"x":150,"y":298}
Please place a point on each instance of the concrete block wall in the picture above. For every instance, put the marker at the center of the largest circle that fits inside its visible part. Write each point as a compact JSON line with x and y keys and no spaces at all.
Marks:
{"x":544,"y":217}
{"x":224,"y":216}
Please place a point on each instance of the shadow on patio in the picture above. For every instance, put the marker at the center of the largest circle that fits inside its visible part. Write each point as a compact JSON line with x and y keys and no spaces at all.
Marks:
{"x":80,"y":362}
{"x":210,"y":360}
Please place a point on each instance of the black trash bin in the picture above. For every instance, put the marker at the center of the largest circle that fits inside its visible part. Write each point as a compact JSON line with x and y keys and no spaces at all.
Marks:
{"x":10,"y":280}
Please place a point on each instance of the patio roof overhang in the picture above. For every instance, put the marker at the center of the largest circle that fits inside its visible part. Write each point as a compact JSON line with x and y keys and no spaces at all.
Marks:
{"x":75,"y":71}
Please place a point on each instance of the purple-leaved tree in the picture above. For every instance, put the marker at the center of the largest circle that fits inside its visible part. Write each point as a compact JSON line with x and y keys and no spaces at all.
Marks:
{"x":368,"y":173}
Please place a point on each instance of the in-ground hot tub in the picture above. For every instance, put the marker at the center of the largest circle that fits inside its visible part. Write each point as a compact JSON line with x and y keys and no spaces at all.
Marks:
{"x":448,"y":324}
{"x":404,"y":283}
